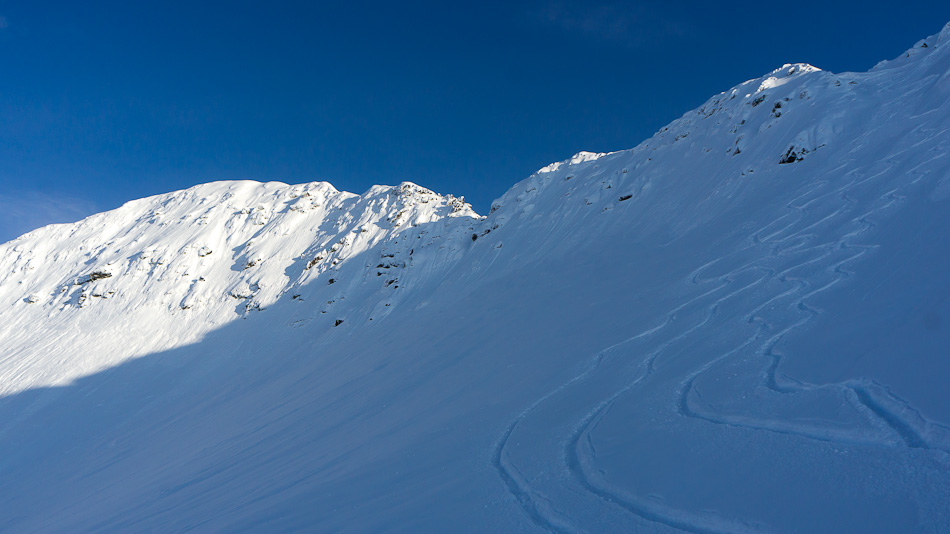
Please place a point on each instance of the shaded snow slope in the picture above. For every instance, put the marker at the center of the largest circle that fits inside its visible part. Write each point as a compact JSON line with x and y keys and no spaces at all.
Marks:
{"x":737,"y":326}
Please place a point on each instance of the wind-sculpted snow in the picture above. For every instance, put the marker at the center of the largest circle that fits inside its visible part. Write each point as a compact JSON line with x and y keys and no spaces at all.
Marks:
{"x":736,"y":326}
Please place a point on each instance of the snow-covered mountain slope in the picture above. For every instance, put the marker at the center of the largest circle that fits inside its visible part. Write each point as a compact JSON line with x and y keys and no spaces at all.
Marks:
{"x":738,"y":325}
{"x":163,"y":271}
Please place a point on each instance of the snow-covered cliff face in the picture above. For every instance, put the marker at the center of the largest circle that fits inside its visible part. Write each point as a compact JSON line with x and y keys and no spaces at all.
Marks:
{"x":738,"y":325}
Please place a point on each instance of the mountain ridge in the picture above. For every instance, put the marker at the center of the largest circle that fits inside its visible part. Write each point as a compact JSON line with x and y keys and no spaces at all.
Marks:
{"x":618,"y":325}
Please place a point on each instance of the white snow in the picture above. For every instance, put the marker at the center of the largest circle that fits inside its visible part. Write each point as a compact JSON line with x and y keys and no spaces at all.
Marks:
{"x":580,"y":157}
{"x":740,"y":325}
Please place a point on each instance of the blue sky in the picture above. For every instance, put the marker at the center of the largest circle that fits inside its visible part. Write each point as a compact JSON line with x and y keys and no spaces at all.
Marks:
{"x":103,"y":102}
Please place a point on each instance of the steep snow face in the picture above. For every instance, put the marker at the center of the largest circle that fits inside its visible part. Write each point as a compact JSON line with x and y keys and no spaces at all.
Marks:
{"x":736,"y":326}
{"x":161,"y":272}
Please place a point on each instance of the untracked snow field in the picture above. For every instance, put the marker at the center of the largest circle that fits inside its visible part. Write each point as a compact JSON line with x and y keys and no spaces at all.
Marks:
{"x":740,"y":325}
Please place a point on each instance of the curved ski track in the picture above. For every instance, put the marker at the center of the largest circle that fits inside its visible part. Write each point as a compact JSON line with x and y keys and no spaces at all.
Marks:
{"x":823,"y":208}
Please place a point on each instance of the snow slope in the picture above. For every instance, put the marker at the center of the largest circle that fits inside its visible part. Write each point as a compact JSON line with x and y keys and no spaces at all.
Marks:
{"x":737,"y":326}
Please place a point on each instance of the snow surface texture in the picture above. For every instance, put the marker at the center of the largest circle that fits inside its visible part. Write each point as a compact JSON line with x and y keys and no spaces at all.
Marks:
{"x":738,"y":326}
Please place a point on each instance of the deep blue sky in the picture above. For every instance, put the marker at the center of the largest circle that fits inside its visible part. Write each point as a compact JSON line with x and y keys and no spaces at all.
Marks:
{"x":103,"y":102}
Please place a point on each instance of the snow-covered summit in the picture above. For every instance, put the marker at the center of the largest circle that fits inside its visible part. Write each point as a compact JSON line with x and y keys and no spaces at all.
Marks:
{"x":580,"y":157}
{"x":179,"y":264}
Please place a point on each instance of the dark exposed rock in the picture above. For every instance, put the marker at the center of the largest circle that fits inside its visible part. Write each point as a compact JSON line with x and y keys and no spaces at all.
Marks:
{"x":791,"y":156}
{"x":92,"y":277}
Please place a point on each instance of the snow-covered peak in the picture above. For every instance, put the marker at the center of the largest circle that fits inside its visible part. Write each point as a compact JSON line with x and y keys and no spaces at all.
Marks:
{"x":183,"y":262}
{"x":783,"y":75}
{"x":749,"y":119}
{"x":757,"y":130}
{"x":580,"y":157}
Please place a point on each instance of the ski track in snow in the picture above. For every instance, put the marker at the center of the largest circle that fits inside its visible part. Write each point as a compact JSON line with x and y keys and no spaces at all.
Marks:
{"x":785,"y":236}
